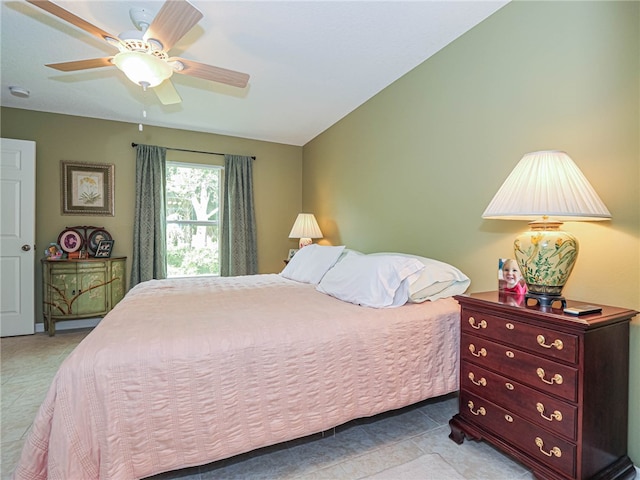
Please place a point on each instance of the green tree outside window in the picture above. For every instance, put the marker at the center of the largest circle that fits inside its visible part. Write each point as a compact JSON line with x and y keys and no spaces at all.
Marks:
{"x":193,"y":213}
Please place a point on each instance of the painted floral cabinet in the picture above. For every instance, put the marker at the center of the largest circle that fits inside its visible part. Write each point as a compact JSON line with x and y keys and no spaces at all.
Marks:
{"x":81,"y":288}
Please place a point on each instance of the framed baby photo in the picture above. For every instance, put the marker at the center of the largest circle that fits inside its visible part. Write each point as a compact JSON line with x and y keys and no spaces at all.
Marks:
{"x":510,"y":277}
{"x":104,"y":249}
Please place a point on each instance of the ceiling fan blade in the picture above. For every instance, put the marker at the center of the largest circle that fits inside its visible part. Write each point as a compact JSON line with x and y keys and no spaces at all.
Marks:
{"x":209,"y":72}
{"x":82,"y":64}
{"x":173,"y":21}
{"x":67,"y":16}
{"x":167,"y":93}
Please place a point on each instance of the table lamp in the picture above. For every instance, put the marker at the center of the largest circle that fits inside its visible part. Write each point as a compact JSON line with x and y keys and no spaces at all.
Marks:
{"x":548,"y":188}
{"x":305,"y":228}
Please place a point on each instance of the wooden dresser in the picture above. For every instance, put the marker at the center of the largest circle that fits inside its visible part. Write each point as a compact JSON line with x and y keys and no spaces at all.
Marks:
{"x":548,"y":388}
{"x":81,"y":288}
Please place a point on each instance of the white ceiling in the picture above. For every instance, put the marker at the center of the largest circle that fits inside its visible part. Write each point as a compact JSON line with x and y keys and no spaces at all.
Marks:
{"x":311,"y":62}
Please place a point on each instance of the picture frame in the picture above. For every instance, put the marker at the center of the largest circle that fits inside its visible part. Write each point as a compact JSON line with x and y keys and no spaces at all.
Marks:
{"x":53,"y":252}
{"x":87,"y":188}
{"x":94,"y":239}
{"x":104,"y":249}
{"x":510,"y":277}
{"x":292,"y":252}
{"x":70,"y":240}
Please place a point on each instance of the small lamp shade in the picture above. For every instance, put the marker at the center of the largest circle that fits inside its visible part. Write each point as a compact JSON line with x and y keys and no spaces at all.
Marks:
{"x":546,"y":187}
{"x":305,"y":228}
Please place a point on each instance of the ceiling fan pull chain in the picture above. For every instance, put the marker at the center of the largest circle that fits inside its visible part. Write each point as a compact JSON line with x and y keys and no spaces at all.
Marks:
{"x":144,"y":108}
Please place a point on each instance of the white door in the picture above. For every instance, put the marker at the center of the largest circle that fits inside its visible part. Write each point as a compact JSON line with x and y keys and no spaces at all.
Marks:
{"x":17,"y":236}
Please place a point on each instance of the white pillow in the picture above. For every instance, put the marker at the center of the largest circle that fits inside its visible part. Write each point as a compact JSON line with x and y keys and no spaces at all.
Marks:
{"x":437,"y":280}
{"x":371,"y":281}
{"x":310,"y":263}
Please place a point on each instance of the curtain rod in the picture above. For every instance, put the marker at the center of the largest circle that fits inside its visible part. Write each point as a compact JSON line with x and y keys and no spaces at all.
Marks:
{"x":190,"y":151}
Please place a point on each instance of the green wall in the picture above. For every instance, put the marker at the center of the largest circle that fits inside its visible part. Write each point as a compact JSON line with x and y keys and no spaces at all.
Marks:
{"x":413,"y":169}
{"x":277,"y":174}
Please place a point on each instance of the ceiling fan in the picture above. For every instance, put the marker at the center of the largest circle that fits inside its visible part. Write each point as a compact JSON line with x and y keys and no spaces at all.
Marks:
{"x":143,"y":54}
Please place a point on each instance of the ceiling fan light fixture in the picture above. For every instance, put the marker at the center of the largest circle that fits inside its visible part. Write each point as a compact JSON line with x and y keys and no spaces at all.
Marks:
{"x":143,"y":68}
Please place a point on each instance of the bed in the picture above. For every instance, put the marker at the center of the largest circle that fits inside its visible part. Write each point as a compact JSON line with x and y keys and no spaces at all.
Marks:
{"x":184,"y":372}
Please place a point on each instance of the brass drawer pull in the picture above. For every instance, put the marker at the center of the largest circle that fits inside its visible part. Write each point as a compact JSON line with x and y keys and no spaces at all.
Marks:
{"x":481,"y":324}
{"x":554,"y":451}
{"x":508,"y":418}
{"x":556,"y":343}
{"x":556,"y":415}
{"x":481,"y":353}
{"x":481,"y":383}
{"x":557,"y":378}
{"x":480,"y":411}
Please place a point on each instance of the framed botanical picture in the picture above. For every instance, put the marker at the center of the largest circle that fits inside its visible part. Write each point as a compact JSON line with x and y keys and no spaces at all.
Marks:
{"x":104,"y":249}
{"x":292,"y":252}
{"x":87,"y":188}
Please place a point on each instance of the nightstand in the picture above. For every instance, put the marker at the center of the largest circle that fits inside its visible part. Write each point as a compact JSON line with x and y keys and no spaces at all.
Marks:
{"x":548,"y":388}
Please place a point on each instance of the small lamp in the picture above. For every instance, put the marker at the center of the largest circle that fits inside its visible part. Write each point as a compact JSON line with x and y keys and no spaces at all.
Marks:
{"x":305,"y":228}
{"x":547,"y":187}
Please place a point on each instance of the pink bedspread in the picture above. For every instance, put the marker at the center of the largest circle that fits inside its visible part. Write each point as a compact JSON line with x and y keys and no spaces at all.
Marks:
{"x":185,"y":372}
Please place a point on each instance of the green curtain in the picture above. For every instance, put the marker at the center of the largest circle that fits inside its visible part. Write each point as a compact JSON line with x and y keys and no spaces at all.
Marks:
{"x":238,"y":244}
{"x":149,"y":226}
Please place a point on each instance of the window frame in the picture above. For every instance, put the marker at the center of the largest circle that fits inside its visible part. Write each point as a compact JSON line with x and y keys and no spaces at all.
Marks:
{"x":215,"y":223}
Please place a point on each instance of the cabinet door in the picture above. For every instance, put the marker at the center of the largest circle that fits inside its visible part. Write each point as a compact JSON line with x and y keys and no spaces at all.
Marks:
{"x":91,"y":293}
{"x":117,"y":273}
{"x":60,"y":287}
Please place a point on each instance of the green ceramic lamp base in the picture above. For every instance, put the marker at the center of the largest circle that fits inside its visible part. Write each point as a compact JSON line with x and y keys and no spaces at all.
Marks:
{"x":546,"y":256}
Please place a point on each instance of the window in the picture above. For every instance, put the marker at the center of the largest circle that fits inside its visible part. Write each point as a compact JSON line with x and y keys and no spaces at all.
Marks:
{"x":193,"y":213}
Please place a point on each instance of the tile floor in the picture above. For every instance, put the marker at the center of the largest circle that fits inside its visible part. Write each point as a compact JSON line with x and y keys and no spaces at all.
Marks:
{"x":389,"y":446}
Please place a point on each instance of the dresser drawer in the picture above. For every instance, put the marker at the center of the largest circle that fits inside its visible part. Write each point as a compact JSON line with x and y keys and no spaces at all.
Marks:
{"x":555,"y":415}
{"x":540,"y":373}
{"x":536,"y":442}
{"x":539,"y":340}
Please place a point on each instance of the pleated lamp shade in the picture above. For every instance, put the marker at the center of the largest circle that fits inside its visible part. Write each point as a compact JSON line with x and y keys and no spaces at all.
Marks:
{"x":305,"y":228}
{"x":548,"y":188}
{"x":548,"y":184}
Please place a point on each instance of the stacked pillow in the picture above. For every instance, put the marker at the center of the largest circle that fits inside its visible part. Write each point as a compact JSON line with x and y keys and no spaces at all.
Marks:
{"x":437,"y":280}
{"x":371,"y":281}
{"x":378,"y":280}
